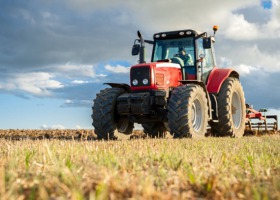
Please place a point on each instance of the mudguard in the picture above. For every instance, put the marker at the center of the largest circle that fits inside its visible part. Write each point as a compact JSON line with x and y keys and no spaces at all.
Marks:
{"x":217,"y":77}
{"x":119,"y":85}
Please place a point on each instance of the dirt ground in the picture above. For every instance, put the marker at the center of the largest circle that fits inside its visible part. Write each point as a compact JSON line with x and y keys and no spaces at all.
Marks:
{"x":82,"y":134}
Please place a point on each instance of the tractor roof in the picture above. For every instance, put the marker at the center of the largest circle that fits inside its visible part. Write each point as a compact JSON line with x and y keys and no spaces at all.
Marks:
{"x":179,"y":33}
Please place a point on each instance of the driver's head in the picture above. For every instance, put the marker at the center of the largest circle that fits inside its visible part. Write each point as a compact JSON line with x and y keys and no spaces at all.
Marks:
{"x":182,"y":51}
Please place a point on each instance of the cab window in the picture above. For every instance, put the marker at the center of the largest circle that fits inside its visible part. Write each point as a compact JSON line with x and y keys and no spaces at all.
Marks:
{"x":169,"y":48}
{"x":208,"y":61}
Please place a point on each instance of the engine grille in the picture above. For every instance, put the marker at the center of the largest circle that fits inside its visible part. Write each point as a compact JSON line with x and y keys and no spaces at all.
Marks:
{"x":140,"y":73}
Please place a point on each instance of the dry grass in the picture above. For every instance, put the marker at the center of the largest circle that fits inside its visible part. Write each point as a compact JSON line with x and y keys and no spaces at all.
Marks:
{"x":211,"y":168}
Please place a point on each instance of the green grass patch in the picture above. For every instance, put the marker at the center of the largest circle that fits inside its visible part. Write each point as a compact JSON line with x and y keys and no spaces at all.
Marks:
{"x":210,"y":168}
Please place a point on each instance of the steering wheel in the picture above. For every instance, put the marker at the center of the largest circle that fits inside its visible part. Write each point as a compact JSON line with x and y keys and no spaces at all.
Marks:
{"x":178,"y":61}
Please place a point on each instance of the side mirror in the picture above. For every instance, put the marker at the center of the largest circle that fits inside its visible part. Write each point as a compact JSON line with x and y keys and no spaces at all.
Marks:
{"x":135,"y":49}
{"x":207,"y":43}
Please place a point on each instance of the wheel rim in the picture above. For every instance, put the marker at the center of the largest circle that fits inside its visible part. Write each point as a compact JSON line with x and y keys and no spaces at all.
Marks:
{"x":236,"y":110}
{"x":197,"y":115}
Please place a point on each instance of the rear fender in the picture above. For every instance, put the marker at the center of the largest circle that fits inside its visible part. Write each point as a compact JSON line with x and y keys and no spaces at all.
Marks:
{"x":119,"y":85}
{"x":217,"y":77}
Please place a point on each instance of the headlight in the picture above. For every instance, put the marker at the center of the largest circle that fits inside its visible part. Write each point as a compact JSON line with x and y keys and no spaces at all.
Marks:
{"x":145,"y":81}
{"x":135,"y":82}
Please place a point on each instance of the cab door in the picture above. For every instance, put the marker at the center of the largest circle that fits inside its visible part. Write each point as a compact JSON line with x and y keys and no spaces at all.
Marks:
{"x":207,"y":63}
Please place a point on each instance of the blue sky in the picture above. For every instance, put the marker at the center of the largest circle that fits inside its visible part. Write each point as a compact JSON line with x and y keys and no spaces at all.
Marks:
{"x":267,"y":4}
{"x":55,"y":55}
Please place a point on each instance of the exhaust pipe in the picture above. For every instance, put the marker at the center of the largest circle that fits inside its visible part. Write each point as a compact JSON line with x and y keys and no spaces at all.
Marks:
{"x":142,"y":54}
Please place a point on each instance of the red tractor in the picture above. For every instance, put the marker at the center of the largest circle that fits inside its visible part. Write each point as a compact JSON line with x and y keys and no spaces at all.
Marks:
{"x":181,"y":91}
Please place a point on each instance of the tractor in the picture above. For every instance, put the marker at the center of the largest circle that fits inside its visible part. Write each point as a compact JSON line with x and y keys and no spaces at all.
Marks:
{"x":180,"y":90}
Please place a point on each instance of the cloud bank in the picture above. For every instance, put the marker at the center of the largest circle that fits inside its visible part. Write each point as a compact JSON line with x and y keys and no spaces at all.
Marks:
{"x":67,"y":49}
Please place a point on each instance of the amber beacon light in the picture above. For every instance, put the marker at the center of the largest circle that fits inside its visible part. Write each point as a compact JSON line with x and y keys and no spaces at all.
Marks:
{"x":215,"y":28}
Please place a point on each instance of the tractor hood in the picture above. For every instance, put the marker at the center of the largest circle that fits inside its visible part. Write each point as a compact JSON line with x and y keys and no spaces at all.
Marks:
{"x":155,"y":76}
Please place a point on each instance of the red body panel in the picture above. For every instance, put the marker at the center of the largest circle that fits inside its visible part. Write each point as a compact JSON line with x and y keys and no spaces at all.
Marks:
{"x":253,"y":114}
{"x":216,"y":79}
{"x":163,"y":76}
{"x":191,"y":77}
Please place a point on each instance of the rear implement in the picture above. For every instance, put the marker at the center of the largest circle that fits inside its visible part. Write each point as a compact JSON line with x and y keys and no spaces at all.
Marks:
{"x":257,"y":122}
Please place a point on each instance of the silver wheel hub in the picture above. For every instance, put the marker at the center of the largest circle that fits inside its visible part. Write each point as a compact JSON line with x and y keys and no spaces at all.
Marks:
{"x":197,"y":115}
{"x":236,"y":109}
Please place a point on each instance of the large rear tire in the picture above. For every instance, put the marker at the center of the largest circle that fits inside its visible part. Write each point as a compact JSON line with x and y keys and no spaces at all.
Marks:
{"x":188,"y":111}
{"x":231,"y":110}
{"x":155,"y":129}
{"x":105,"y":117}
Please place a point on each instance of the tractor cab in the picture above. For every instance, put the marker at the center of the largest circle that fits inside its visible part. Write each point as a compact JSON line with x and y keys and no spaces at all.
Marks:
{"x":192,"y":50}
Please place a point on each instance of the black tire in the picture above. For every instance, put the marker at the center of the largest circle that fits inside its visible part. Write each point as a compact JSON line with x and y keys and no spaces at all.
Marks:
{"x":104,"y":113}
{"x":155,"y":129}
{"x":188,"y":111}
{"x":231,"y":110}
{"x":125,"y":126}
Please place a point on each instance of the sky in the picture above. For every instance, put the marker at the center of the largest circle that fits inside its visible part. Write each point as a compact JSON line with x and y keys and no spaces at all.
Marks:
{"x":56,"y":55}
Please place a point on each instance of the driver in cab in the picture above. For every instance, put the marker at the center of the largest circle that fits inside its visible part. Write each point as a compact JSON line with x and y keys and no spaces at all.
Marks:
{"x":184,"y":56}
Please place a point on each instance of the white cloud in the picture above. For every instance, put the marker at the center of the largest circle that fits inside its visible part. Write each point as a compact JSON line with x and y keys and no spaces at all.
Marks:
{"x":273,"y":26}
{"x":68,"y":101}
{"x":36,"y":83}
{"x":79,"y":82}
{"x":117,"y":69}
{"x":275,"y":2}
{"x":240,"y":29}
{"x":76,"y":70}
{"x":245,"y":69}
{"x":52,"y":127}
{"x":101,"y":75}
{"x":77,"y":102}
{"x":252,"y":55}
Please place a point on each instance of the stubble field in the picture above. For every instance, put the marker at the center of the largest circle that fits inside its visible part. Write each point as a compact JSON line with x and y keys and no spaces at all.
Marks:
{"x":70,"y":164}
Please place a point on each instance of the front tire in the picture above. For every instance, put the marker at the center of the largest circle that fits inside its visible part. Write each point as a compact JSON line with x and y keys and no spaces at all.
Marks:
{"x":231,"y":110}
{"x":105,"y":117}
{"x":188,"y":111}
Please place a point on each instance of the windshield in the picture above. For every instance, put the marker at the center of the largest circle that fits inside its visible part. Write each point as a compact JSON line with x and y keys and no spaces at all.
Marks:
{"x":174,"y":48}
